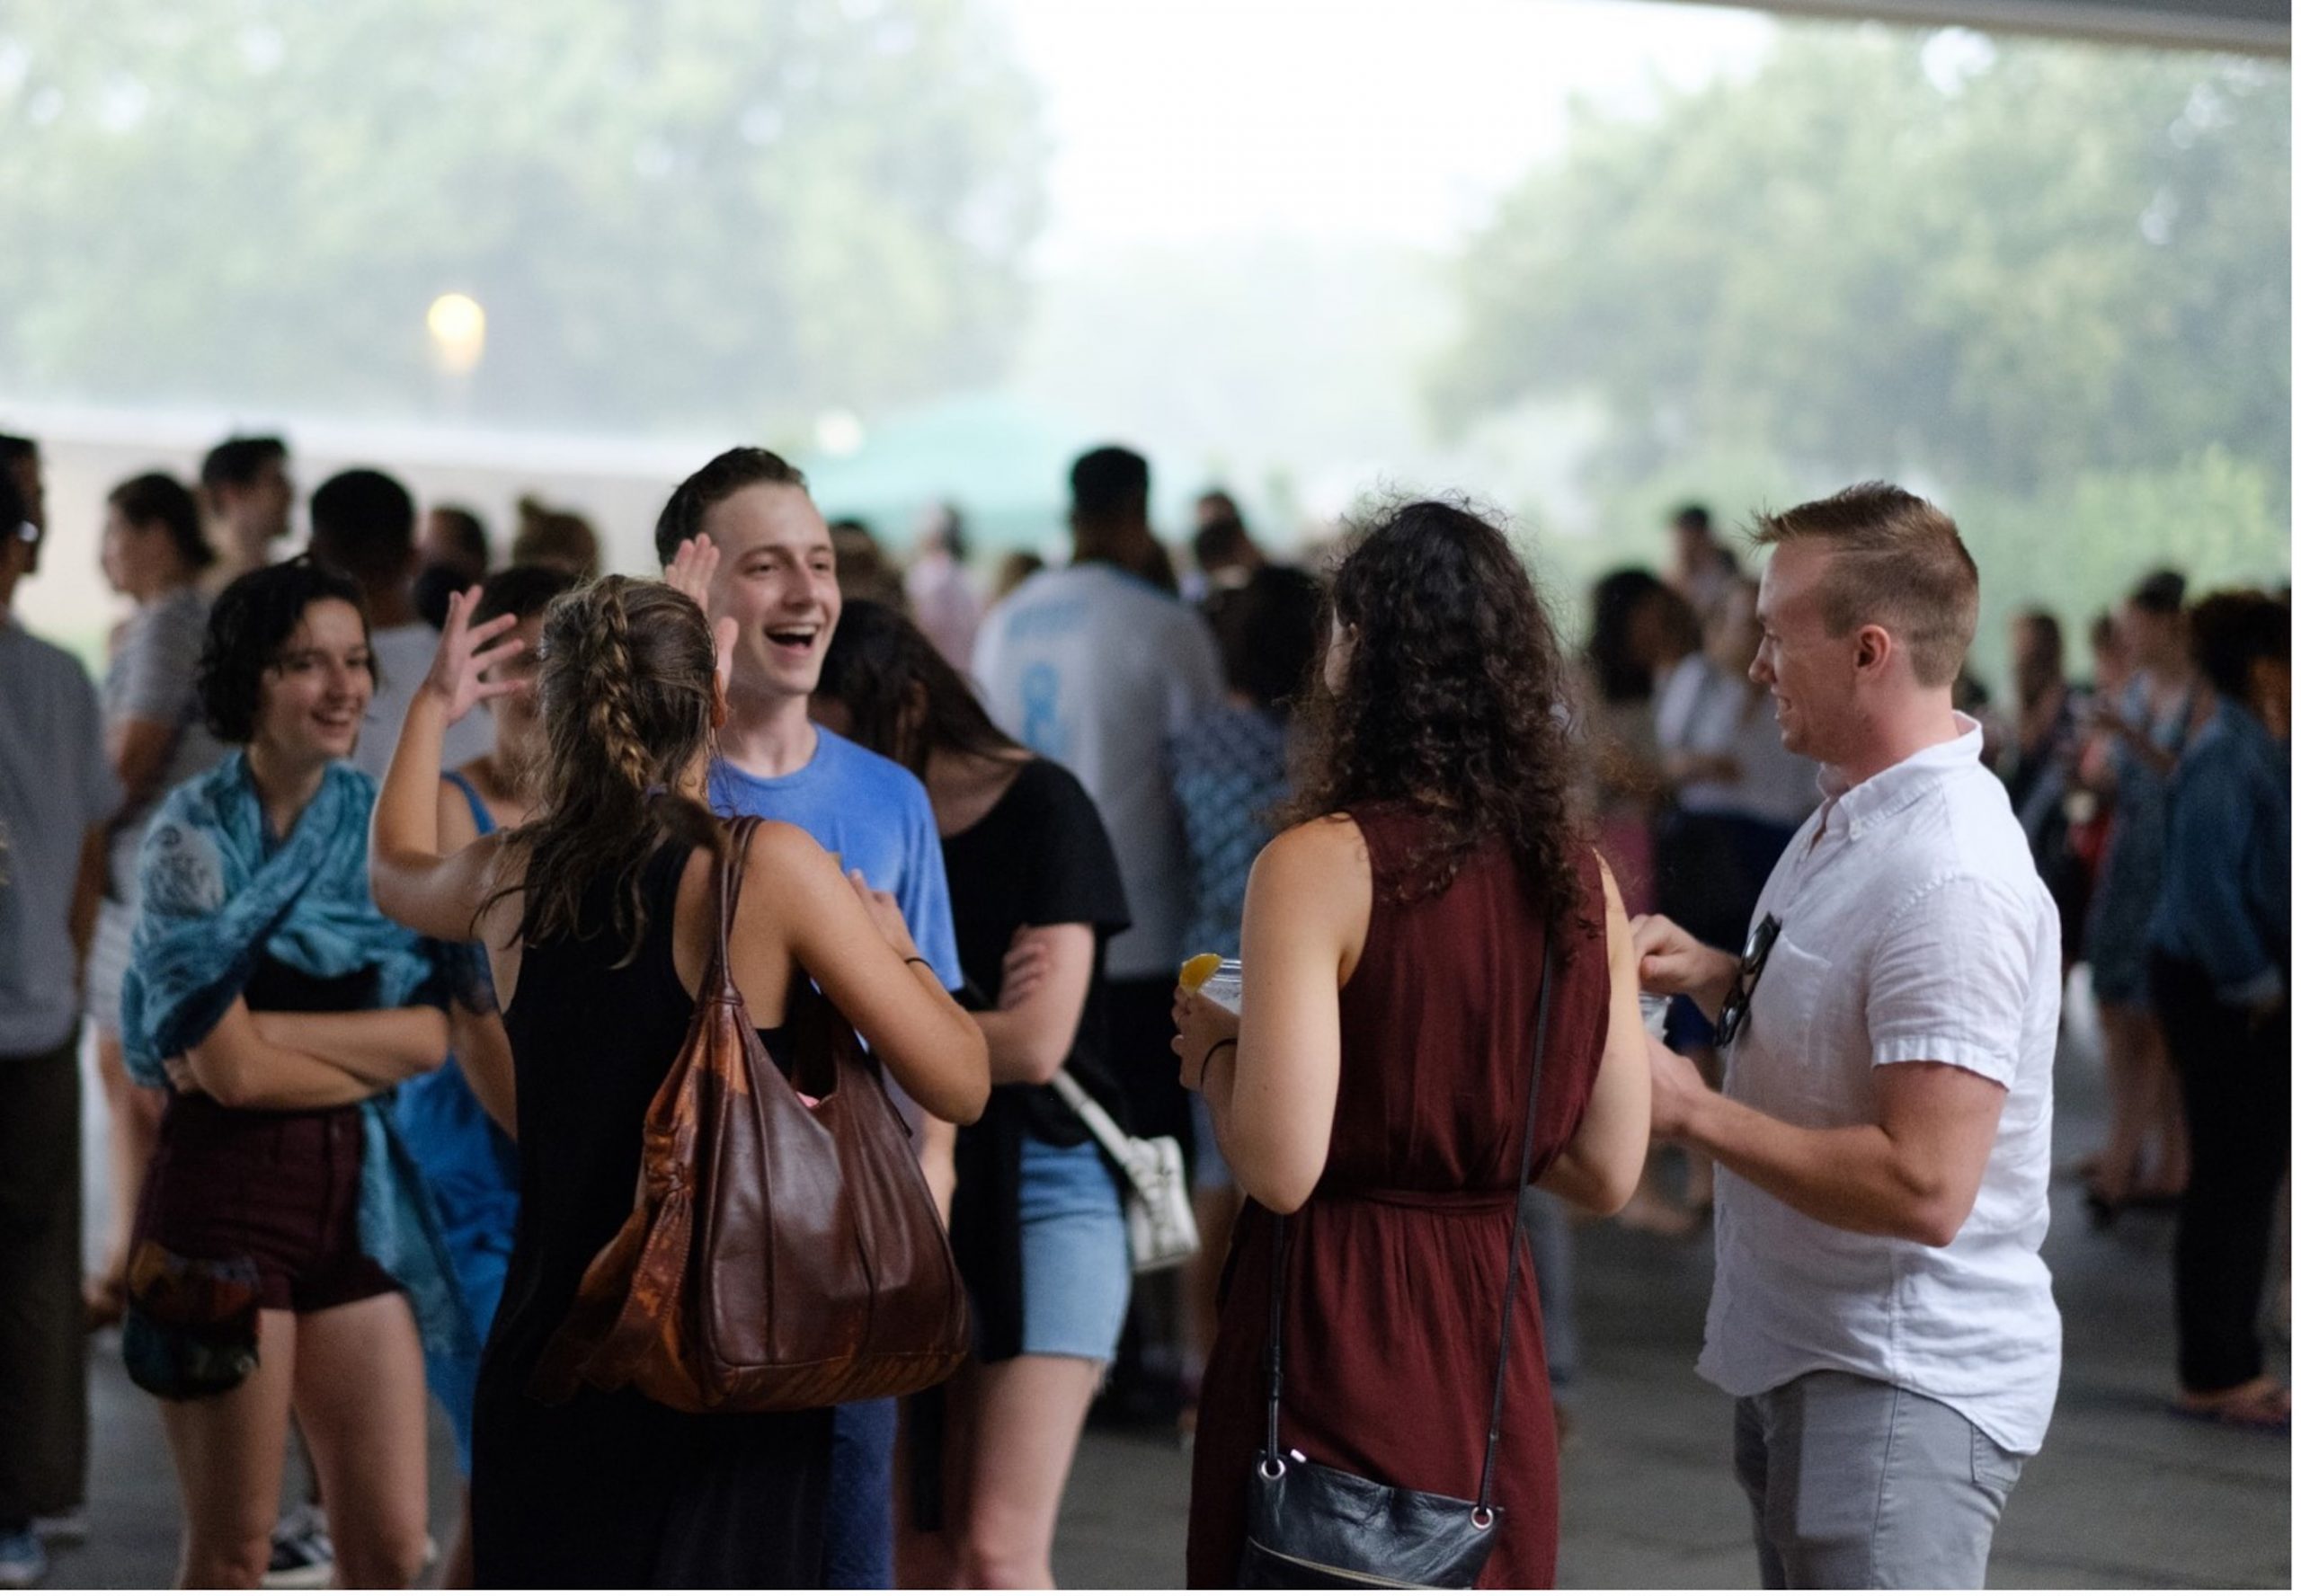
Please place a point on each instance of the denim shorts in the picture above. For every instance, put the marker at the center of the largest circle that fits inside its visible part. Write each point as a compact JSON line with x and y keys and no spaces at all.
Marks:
{"x":1208,"y":1172}
{"x":1076,"y":1275}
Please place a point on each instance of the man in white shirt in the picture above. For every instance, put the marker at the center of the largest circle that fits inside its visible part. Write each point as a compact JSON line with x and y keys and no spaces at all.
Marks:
{"x":1880,"y":1311}
{"x":363,"y":523}
{"x":1096,"y":668}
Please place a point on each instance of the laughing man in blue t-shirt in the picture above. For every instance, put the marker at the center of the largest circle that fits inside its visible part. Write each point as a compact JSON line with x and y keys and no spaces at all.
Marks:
{"x":759,"y":548}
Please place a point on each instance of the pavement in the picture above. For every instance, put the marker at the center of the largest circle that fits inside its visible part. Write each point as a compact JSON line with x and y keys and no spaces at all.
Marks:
{"x":2125,"y":1495}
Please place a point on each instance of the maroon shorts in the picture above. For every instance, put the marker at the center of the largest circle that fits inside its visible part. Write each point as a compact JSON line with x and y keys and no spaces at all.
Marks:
{"x":281,"y":1189}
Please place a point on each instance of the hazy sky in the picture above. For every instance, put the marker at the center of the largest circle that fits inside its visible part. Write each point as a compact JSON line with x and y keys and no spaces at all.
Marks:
{"x":1393,"y":118}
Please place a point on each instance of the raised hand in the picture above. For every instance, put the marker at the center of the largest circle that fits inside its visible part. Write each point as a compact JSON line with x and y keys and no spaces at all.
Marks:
{"x":458,"y":670}
{"x":691,"y":570}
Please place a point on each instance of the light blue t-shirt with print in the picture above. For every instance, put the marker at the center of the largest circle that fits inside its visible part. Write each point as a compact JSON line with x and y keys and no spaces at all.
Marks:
{"x":874,"y":814}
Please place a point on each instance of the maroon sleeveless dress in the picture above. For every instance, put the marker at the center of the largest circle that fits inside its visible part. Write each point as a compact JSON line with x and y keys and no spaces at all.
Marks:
{"x":1395,"y":1266}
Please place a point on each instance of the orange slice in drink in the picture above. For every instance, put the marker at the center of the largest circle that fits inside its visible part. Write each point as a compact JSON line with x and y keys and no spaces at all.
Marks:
{"x":1197,"y":968}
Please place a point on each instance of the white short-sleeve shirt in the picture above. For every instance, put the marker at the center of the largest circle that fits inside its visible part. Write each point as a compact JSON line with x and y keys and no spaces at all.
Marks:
{"x":1913,"y":928}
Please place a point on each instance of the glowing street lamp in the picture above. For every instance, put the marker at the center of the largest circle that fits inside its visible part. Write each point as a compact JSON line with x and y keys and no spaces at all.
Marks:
{"x":459,"y":329}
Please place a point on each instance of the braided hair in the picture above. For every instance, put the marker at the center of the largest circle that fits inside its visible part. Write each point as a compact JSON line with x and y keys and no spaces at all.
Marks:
{"x":626,"y":689}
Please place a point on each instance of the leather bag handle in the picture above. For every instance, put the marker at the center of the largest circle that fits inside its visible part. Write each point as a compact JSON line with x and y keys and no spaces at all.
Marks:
{"x":719,"y":980}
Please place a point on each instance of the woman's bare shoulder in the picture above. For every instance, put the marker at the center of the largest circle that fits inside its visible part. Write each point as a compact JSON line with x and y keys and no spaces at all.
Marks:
{"x":1325,"y":853}
{"x":779,"y":842}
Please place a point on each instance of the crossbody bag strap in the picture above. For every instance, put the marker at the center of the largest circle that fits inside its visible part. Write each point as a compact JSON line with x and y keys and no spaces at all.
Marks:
{"x":1272,"y":1464}
{"x":1103,"y":1129}
{"x":1517,"y":1232}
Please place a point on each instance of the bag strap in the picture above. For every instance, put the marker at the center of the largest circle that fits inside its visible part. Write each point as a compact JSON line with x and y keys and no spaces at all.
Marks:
{"x":1517,"y":1232}
{"x":719,"y":980}
{"x":1105,"y":1130}
{"x":1484,"y":1514}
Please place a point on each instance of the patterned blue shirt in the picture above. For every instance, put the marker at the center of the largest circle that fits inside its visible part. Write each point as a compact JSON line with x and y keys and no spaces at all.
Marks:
{"x":1229,"y":772}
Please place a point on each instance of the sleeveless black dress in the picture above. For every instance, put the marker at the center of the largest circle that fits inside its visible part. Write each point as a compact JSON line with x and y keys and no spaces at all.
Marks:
{"x":610,"y":1489}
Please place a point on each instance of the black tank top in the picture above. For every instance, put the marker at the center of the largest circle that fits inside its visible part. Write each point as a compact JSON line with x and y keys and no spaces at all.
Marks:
{"x":591,"y":1043}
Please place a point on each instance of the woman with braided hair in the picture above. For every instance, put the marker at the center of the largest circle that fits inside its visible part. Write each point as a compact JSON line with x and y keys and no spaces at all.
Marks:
{"x":598,"y":915}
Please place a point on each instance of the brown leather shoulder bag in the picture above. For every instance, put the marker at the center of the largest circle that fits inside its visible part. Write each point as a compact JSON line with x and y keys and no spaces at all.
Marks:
{"x":780,"y":1255}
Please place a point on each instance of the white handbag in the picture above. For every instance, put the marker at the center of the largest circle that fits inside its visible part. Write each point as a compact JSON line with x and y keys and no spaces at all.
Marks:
{"x":1161,"y":1229}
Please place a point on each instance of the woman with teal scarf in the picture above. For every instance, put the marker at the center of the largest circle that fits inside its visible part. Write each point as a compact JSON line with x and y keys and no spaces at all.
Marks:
{"x":286,"y":1254}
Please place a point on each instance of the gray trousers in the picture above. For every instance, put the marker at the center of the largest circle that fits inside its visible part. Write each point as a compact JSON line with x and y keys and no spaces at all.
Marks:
{"x":43,"y":1332}
{"x":1854,"y":1484}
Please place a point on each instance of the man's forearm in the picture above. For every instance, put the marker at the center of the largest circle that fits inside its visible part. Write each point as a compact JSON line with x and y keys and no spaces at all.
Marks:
{"x":1852,"y":1177}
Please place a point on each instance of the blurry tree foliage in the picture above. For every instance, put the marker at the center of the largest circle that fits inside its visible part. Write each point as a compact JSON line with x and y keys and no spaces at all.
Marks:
{"x":1998,"y":266}
{"x":675,"y":212}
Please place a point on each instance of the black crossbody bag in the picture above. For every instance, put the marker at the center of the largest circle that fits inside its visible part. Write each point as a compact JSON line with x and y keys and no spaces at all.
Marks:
{"x":1314,"y":1528}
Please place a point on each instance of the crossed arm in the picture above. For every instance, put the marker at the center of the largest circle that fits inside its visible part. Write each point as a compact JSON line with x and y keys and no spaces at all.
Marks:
{"x":310,"y":1061}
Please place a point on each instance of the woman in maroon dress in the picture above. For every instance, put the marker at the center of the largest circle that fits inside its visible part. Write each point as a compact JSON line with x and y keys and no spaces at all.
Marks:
{"x":1375,"y":1090}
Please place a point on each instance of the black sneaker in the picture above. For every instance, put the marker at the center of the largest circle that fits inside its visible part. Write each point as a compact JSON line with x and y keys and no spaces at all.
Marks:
{"x":303,"y":1558}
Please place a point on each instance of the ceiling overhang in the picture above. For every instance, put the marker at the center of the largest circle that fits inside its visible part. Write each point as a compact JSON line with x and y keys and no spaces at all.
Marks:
{"x":2254,"y":27}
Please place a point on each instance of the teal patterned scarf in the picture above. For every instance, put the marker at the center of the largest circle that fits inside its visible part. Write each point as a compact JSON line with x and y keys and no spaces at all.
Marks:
{"x":217,"y":897}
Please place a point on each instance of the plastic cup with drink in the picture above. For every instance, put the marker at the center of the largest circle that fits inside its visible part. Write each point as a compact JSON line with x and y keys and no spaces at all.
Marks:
{"x":1213,"y":977}
{"x":1654,"y":1010}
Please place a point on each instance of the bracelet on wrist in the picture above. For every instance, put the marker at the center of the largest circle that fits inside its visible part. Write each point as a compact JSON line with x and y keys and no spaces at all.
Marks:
{"x":915,"y":959}
{"x":1228,"y":1042}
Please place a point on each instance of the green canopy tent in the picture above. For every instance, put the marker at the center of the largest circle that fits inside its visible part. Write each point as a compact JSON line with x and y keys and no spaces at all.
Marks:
{"x":1002,"y":461}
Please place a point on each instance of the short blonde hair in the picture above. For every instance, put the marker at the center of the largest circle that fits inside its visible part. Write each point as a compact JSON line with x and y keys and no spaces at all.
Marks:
{"x":1899,"y":565}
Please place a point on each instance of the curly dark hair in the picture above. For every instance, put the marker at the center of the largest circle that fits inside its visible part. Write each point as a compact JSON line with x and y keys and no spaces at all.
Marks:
{"x":252,"y":620}
{"x":1450,"y":703}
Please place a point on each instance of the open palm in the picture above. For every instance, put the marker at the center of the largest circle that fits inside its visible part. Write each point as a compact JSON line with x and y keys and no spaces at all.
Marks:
{"x":459,"y":670}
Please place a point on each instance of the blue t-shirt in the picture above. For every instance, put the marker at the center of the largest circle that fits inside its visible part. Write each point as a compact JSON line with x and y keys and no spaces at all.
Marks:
{"x":874,"y":814}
